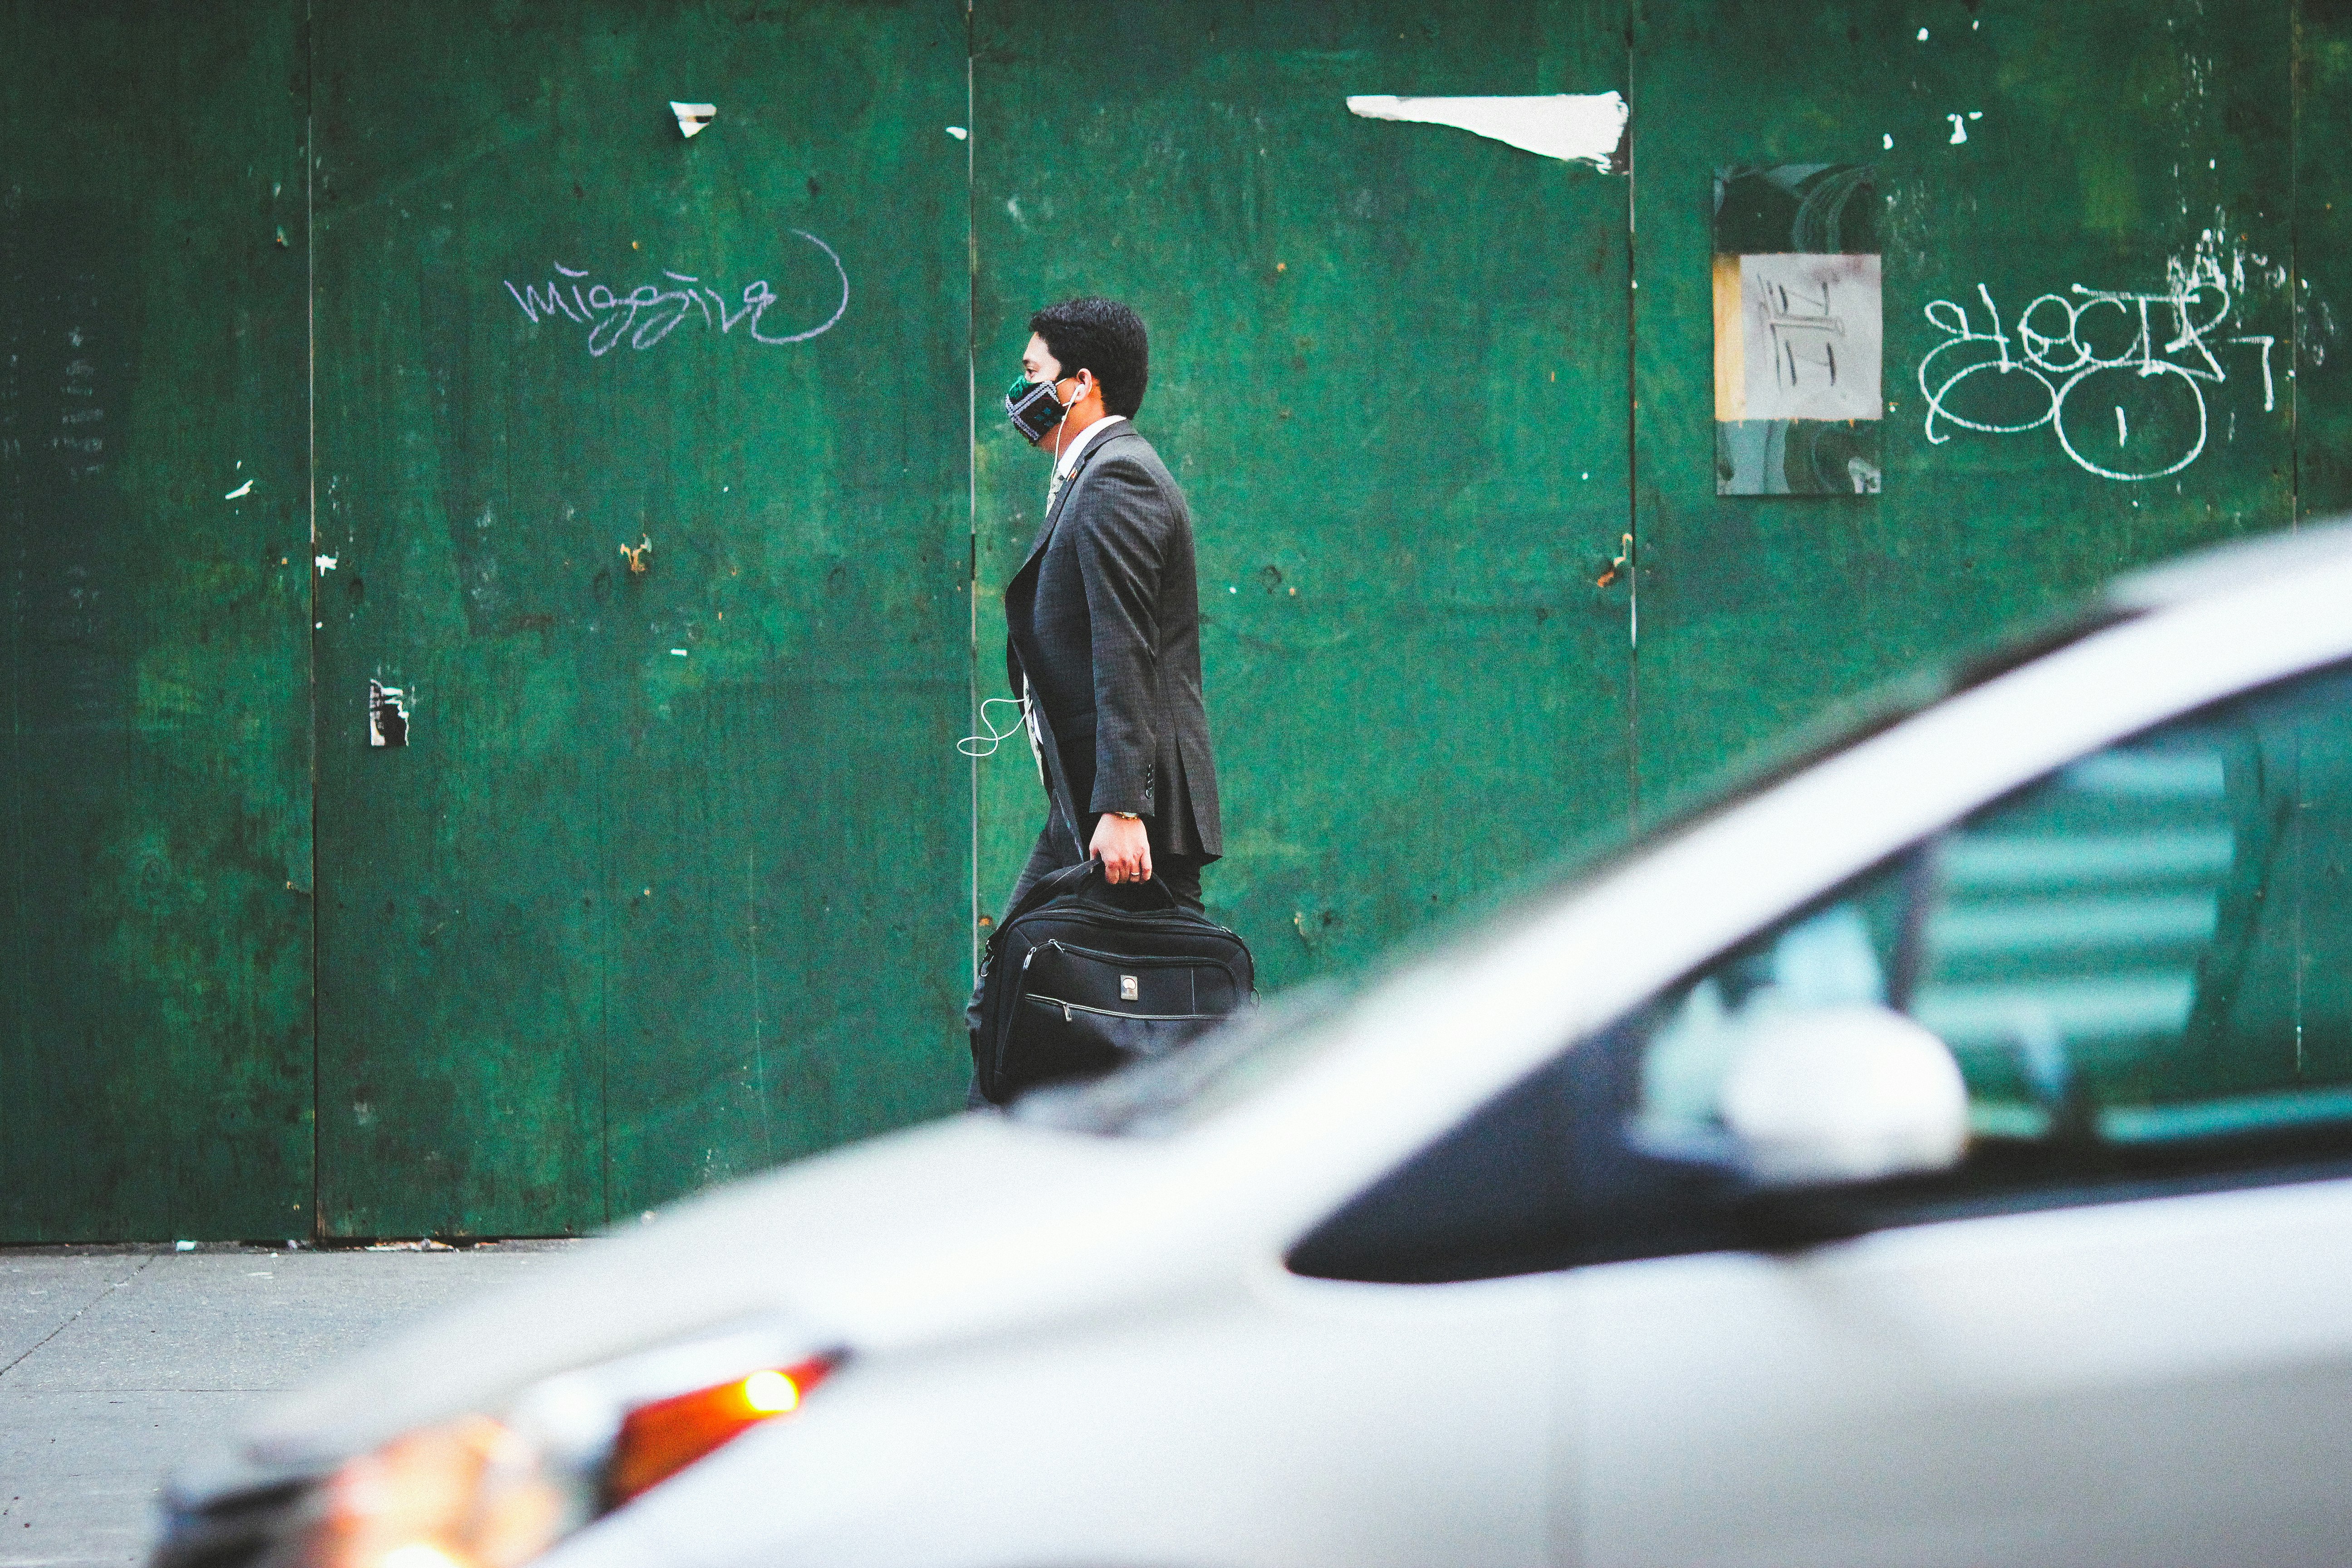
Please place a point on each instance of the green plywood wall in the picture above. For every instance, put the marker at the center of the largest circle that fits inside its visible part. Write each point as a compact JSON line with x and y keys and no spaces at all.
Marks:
{"x":155,"y":1044}
{"x":2107,"y":146}
{"x":1389,"y":369}
{"x":2321,"y":258}
{"x":667,"y":884}
{"x":622,"y":920}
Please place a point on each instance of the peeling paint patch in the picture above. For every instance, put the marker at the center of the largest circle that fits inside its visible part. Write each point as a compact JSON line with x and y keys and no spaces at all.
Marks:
{"x":387,"y":715}
{"x":1577,"y":128}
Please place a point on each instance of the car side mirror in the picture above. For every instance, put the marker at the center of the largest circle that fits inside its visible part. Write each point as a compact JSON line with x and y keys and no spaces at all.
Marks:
{"x":1819,"y":1096}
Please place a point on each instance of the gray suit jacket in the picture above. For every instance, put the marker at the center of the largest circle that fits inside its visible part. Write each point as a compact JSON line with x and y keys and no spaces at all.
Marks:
{"x":1105,"y":621}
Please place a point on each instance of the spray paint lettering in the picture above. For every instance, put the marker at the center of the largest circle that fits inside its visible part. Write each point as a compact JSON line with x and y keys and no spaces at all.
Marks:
{"x":2074,"y":363}
{"x":651,"y":312}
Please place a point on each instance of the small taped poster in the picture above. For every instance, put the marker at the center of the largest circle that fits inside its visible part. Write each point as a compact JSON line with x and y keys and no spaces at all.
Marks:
{"x":1799,"y":331}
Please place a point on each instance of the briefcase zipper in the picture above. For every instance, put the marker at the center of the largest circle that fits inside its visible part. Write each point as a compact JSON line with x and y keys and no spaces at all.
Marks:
{"x":1117,"y":959}
{"x":1069,"y":1008}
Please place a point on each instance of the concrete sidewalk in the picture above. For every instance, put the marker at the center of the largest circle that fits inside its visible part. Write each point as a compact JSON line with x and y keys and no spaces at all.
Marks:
{"x":114,"y":1362}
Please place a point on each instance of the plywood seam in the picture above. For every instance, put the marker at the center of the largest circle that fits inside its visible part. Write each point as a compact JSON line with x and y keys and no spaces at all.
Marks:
{"x":971,"y":495}
{"x":311,"y":606}
{"x":1633,"y":453}
{"x":2294,"y":290}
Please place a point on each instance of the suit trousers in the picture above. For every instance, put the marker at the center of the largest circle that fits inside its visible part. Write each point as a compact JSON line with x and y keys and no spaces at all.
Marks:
{"x":1054,"y":851}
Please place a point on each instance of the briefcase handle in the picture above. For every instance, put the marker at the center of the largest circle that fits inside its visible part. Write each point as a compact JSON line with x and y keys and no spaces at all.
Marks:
{"x":1070,"y":878}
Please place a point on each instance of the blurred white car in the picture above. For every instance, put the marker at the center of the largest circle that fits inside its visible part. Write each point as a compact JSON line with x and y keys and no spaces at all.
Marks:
{"x":1938,"y":1152}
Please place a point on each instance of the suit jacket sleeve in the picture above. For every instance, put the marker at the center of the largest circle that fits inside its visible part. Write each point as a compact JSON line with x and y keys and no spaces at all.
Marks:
{"x":1122,"y":541}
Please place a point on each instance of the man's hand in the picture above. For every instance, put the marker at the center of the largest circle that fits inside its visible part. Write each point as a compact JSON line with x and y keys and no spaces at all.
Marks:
{"x":1124,"y":849}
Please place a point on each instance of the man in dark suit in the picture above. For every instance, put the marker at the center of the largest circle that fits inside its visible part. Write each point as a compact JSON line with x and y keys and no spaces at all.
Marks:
{"x":1104,"y":618}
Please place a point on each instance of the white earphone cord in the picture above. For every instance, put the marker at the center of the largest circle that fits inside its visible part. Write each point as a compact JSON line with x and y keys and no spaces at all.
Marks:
{"x":984,"y":745}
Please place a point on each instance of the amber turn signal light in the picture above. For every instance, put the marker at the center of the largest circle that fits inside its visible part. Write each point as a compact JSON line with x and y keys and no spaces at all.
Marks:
{"x":660,"y":1439}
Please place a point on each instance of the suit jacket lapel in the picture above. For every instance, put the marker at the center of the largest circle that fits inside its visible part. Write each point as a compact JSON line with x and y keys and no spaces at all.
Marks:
{"x":1023,"y":582}
{"x":1062,"y":498}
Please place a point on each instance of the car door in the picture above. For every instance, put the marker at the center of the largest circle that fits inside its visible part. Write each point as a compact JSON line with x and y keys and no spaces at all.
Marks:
{"x":2121,"y":1330}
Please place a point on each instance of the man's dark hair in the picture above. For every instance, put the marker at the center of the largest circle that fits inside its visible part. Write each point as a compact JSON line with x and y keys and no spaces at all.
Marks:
{"x":1105,"y":337}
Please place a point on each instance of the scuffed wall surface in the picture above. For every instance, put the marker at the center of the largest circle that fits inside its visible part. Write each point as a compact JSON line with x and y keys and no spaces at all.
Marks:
{"x":667,"y":883}
{"x":2322,"y":258}
{"x":643,"y":473}
{"x":155,"y":1049}
{"x":1389,"y":369}
{"x":2087,"y":209}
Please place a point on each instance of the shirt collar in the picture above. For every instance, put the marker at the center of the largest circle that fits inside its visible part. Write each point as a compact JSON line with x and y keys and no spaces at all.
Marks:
{"x":1069,"y":457}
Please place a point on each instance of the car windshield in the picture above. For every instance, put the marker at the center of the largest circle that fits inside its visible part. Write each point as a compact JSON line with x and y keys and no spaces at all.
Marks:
{"x":1264,"y":1044}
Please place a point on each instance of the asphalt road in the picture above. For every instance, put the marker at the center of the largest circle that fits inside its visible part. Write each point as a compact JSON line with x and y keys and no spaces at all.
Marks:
{"x":116,"y":1362}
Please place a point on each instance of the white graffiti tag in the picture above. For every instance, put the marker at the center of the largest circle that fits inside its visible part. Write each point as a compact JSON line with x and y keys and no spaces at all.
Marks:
{"x":1983,"y":378}
{"x":651,"y":312}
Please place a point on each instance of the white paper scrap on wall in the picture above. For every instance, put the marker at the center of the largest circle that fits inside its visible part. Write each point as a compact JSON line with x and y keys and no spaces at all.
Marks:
{"x":1576,"y":127}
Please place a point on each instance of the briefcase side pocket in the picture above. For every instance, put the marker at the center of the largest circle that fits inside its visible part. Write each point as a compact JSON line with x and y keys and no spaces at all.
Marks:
{"x":1062,"y":1039}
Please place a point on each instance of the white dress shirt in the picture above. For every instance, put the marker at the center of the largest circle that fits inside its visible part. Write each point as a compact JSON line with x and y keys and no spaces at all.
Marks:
{"x":1077,"y":444}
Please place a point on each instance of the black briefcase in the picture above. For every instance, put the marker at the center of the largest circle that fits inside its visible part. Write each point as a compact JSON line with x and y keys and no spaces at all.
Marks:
{"x":1084,"y":977}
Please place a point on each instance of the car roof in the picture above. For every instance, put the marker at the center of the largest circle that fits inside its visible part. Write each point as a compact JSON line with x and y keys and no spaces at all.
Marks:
{"x":2236,"y":564}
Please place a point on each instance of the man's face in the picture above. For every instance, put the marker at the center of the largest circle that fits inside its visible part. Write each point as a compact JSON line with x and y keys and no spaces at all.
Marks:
{"x":1038,"y":361}
{"x":1038,"y":364}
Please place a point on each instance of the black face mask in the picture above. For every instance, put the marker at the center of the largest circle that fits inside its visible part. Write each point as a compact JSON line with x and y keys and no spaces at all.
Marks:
{"x":1033,"y":408}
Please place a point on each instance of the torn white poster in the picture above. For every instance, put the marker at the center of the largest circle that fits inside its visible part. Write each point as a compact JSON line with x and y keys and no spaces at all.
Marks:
{"x":1579,"y":128}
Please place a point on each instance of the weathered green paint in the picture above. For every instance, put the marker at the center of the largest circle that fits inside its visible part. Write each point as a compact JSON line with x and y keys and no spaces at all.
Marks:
{"x":2088,"y":166}
{"x":1389,"y":369}
{"x":2322,"y":257}
{"x":619,"y":922}
{"x":154,"y":852}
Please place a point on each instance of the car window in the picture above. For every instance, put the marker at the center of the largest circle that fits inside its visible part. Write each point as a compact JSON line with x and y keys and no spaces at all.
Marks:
{"x":2142,"y":965}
